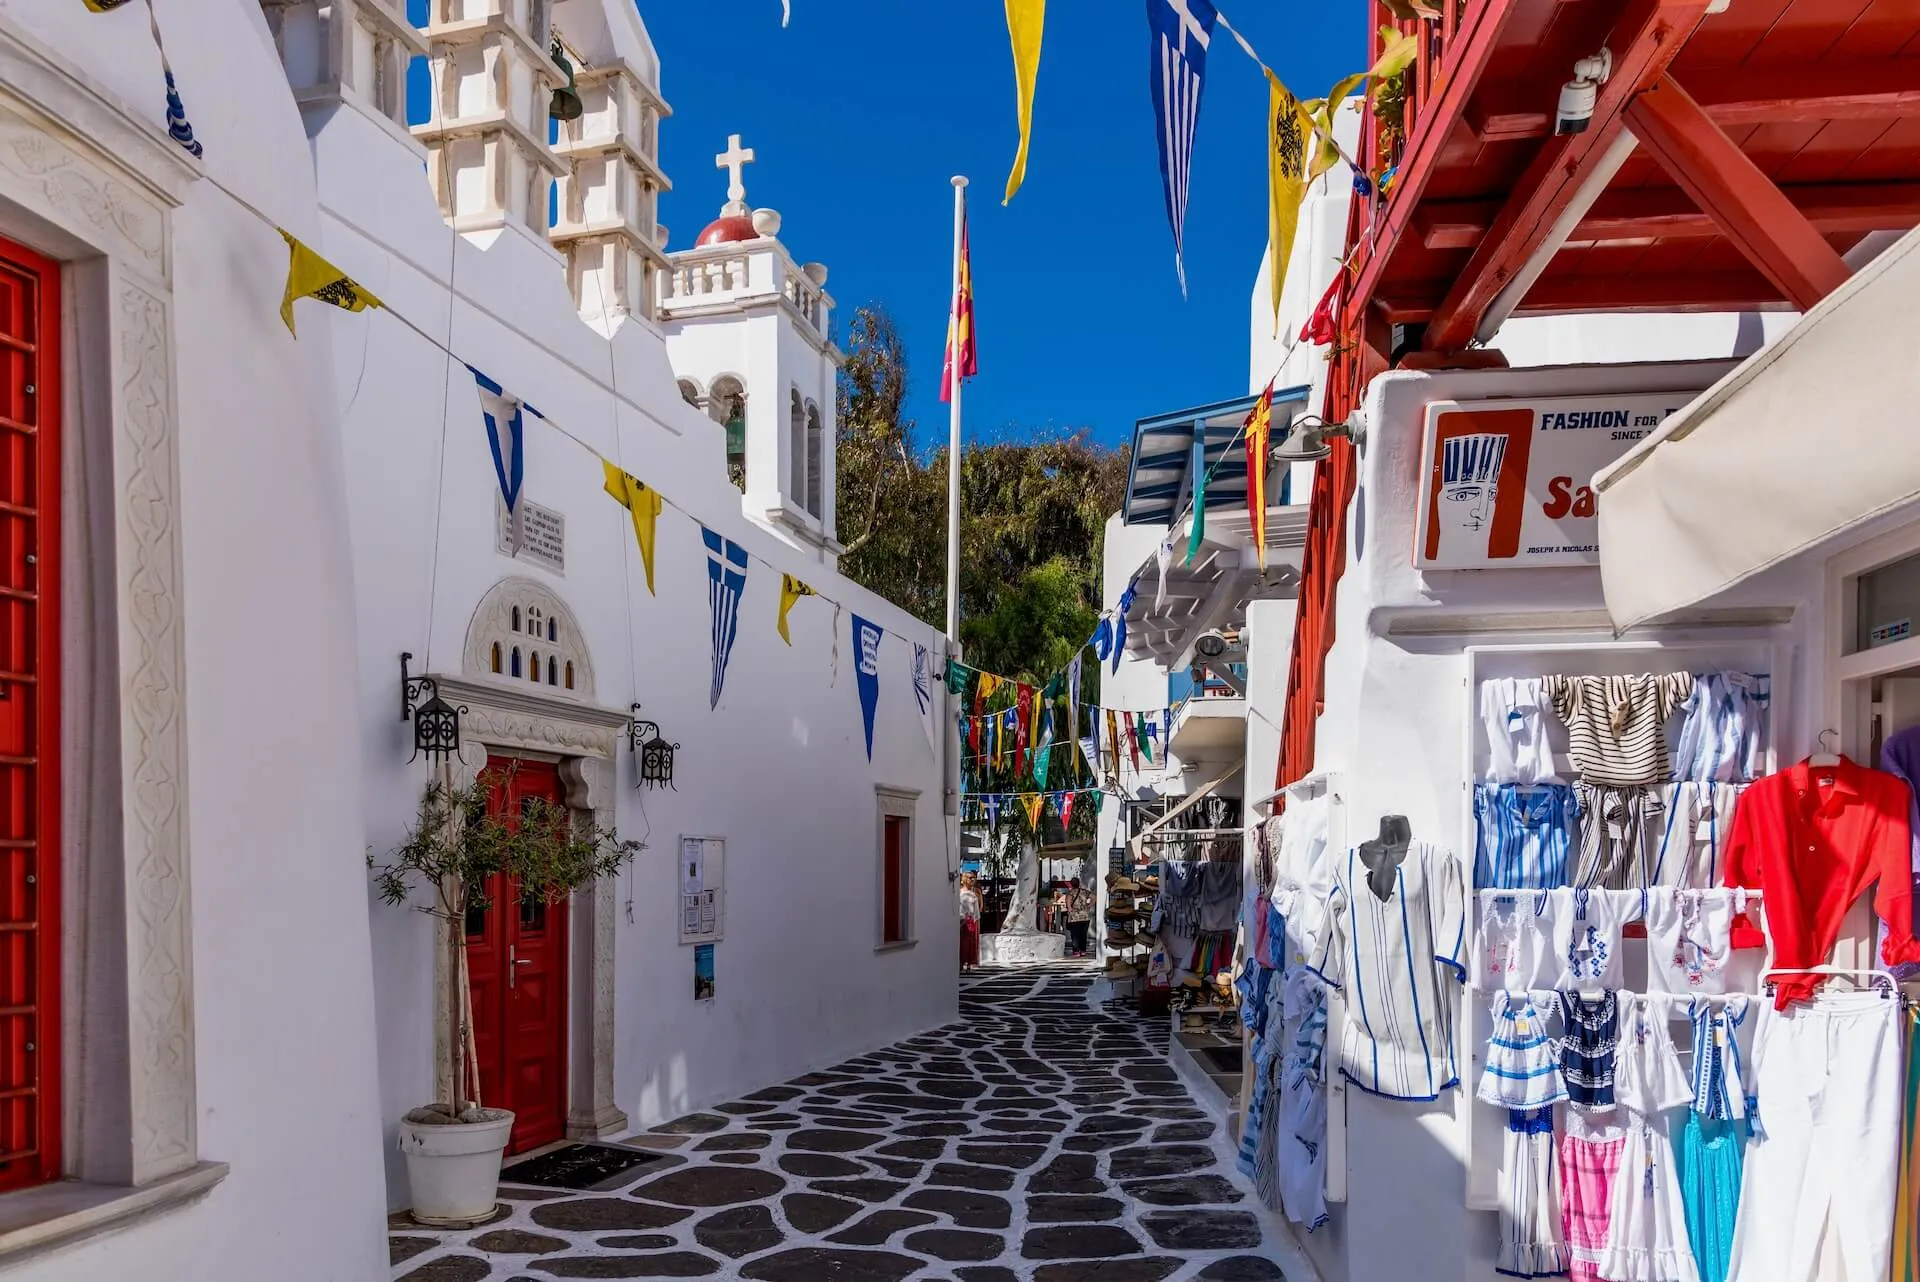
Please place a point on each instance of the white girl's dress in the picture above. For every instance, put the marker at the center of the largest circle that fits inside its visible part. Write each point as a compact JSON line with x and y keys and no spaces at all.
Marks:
{"x":1647,"y":1232}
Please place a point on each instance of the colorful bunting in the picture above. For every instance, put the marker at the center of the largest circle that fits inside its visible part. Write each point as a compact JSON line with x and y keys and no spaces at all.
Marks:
{"x":726,"y":581}
{"x":643,"y":505}
{"x":1026,"y":21}
{"x":866,"y":648}
{"x":1065,"y":805}
{"x":1288,"y":128}
{"x":1073,"y":694}
{"x":503,"y":417}
{"x":1045,"y":748}
{"x":1258,"y":429}
{"x":1197,"y":469}
{"x":1181,"y":31}
{"x":1031,"y":802}
{"x":791,"y":590}
{"x":311,"y":276}
{"x":923,"y":686}
{"x":1023,"y":717}
{"x":1113,"y":743}
{"x":1120,"y":624}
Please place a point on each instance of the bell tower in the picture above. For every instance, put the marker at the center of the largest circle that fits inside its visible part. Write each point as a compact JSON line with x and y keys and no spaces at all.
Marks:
{"x":750,"y":335}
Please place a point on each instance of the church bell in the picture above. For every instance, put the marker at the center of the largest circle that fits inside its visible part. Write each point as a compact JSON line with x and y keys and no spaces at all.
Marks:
{"x":566,"y":104}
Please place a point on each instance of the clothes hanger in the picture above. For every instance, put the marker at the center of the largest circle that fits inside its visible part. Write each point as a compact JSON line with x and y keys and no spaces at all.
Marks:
{"x":1824,"y":759}
{"x":1874,"y":978}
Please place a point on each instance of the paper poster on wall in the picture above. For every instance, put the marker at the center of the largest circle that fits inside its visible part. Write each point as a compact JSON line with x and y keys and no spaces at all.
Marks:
{"x":1510,"y":483}
{"x":702,"y":888}
{"x":703,"y":972}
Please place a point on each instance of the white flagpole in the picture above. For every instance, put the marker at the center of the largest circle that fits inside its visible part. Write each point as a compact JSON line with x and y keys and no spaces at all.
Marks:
{"x":953,"y":422}
{"x":953,"y":508}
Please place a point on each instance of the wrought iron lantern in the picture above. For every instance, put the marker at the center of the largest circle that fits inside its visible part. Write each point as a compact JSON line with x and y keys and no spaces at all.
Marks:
{"x":652,"y":754}
{"x":436,"y":723}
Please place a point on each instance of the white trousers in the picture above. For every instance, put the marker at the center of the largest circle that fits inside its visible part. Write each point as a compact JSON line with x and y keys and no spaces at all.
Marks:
{"x":1825,"y":1156}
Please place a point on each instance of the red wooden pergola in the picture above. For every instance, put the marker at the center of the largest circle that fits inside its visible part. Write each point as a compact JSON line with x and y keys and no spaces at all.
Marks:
{"x":1736,"y":154}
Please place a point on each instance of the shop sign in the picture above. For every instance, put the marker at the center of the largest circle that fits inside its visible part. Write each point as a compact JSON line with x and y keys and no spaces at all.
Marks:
{"x":1510,"y":483}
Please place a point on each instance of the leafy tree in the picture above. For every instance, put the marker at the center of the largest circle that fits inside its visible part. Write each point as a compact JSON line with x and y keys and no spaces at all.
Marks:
{"x":1033,"y":516}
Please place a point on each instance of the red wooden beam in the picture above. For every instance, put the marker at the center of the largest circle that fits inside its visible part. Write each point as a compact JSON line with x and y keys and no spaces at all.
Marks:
{"x":1858,"y":89}
{"x":1753,"y":213}
{"x":1668,"y":212}
{"x":1731,"y":291}
{"x":1437,"y":116}
{"x":1648,"y":36}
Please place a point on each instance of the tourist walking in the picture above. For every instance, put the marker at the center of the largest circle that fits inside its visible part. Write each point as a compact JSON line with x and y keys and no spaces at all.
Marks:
{"x":969,"y":922}
{"x":1079,"y":917}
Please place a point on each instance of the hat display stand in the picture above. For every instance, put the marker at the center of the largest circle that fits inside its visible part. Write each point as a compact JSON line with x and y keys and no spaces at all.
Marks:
{"x":1129,"y":935}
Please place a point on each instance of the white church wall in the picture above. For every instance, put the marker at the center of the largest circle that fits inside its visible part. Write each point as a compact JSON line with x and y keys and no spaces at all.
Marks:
{"x":1396,"y":731}
{"x":280,"y":1039}
{"x":779,"y":769}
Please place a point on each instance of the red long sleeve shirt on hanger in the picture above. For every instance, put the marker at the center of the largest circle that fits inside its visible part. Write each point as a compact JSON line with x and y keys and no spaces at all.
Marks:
{"x":1812,"y":839}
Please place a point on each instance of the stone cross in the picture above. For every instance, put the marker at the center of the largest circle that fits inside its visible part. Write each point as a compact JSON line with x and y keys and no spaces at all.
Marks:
{"x":733,"y":159}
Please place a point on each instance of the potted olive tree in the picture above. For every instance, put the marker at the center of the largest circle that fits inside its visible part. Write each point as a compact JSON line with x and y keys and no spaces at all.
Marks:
{"x":453,"y":854}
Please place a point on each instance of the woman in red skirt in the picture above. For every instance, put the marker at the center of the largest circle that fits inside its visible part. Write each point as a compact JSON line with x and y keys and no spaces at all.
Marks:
{"x":969,"y":921}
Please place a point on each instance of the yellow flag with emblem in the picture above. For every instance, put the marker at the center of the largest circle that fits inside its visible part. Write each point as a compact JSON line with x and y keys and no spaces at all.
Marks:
{"x":1288,"y":129}
{"x":791,"y":590}
{"x":1031,"y":803}
{"x":643,"y":505}
{"x":105,"y":6}
{"x":311,"y":276}
{"x":1397,"y":50}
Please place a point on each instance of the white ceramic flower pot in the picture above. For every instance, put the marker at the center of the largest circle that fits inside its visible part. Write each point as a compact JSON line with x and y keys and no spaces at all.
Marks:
{"x":454,"y":1168}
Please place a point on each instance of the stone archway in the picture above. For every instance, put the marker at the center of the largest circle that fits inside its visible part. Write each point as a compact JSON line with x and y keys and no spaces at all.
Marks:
{"x":551,"y":720}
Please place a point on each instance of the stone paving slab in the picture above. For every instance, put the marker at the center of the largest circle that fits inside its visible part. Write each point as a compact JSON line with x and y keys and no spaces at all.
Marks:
{"x":1036,"y":1141}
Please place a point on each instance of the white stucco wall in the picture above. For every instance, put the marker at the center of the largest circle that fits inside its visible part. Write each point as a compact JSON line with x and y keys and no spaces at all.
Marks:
{"x":1396,"y":732}
{"x":281,"y":998}
{"x":779,"y":769}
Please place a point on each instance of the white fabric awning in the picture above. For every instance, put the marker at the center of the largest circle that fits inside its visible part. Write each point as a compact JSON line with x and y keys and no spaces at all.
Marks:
{"x":1813,"y":435}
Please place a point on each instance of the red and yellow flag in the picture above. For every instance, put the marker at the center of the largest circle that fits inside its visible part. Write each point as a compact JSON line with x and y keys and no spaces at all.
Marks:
{"x":963,"y":361}
{"x":1258,"y":430}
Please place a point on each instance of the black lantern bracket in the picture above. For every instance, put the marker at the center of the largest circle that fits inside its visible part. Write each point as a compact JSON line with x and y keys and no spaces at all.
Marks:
{"x":652,"y":754}
{"x":436,"y":723}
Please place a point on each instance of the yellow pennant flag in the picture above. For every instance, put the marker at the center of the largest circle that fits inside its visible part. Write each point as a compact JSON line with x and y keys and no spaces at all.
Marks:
{"x":643,"y":504}
{"x":1031,"y":802}
{"x":1288,"y":128}
{"x":988,"y":684}
{"x":104,"y":6}
{"x":311,"y":276}
{"x":791,"y":590}
{"x":1025,"y":20}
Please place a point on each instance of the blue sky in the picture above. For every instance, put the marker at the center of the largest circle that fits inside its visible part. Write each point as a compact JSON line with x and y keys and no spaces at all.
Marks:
{"x":861,"y":110}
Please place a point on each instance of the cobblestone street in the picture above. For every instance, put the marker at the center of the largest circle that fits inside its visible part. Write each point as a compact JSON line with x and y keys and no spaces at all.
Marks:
{"x":1035,"y":1140}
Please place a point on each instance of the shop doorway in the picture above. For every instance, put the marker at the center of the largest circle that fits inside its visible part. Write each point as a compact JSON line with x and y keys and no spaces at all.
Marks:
{"x":517,"y":969}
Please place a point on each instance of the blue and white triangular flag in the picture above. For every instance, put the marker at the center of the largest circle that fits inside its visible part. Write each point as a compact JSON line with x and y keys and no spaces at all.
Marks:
{"x":726,"y":581}
{"x":1181,"y":29}
{"x":866,"y":668}
{"x":924,"y":687}
{"x":504,"y":417}
{"x":1120,"y":623}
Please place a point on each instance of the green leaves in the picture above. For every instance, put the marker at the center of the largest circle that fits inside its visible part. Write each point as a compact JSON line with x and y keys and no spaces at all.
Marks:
{"x":1034,"y":509}
{"x":456,"y":847}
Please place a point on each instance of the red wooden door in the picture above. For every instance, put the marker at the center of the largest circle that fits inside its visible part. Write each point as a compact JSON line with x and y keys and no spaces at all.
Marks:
{"x":29,"y":718}
{"x":517,"y":966}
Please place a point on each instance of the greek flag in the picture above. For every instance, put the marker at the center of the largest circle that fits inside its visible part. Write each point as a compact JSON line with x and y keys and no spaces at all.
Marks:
{"x":726,"y":581}
{"x":1182,"y":30}
{"x":923,"y":688}
{"x":505,"y":421}
{"x":866,"y":671}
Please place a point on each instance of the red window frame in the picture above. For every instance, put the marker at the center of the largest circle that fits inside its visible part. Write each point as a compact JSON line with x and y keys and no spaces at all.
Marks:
{"x":30,"y":923}
{"x":893,"y":878}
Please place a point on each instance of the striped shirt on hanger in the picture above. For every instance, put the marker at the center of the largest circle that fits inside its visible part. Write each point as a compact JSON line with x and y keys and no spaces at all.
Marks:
{"x":1617,"y":726}
{"x":1620,"y":832}
{"x":1398,"y":961}
{"x":1724,"y":727}
{"x":1524,"y":833}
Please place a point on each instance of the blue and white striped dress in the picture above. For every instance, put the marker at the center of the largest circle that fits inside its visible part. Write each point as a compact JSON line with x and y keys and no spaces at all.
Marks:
{"x":1398,"y":962}
{"x":1523,"y":1065}
{"x":1717,"y":1088}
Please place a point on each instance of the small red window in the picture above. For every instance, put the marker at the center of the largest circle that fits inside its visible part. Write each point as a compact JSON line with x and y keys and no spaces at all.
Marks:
{"x":29,"y":718}
{"x":893,"y":881}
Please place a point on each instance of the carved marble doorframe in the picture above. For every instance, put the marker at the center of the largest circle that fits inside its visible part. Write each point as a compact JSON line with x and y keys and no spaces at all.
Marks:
{"x":513,"y":720}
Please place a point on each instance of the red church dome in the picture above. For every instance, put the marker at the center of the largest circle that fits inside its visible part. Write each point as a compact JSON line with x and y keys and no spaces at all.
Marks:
{"x":726,"y":229}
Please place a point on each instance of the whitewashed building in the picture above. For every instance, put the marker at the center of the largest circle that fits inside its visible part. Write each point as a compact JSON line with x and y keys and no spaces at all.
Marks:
{"x":219,"y":541}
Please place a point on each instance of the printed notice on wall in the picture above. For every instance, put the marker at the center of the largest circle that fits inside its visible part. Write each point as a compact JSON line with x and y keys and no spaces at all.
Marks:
{"x":702,"y":888}
{"x":703,"y":972}
{"x":1510,"y":483}
{"x":531,"y":533}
